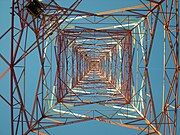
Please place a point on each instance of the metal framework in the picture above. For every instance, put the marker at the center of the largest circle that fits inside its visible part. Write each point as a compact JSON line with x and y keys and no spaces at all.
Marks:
{"x":82,"y":66}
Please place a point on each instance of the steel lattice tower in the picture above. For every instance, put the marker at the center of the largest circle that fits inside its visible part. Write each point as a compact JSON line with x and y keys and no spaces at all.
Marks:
{"x":80,"y":66}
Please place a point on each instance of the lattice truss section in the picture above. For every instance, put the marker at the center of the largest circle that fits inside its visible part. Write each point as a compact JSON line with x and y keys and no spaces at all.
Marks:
{"x":83,"y":66}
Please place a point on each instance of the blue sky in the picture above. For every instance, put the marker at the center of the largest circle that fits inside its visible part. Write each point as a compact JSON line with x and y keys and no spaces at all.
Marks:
{"x":90,"y":127}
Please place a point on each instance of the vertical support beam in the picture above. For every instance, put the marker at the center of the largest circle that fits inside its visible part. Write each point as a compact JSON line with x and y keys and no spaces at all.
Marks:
{"x":177,"y":67}
{"x":12,"y":68}
{"x":72,"y":69}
